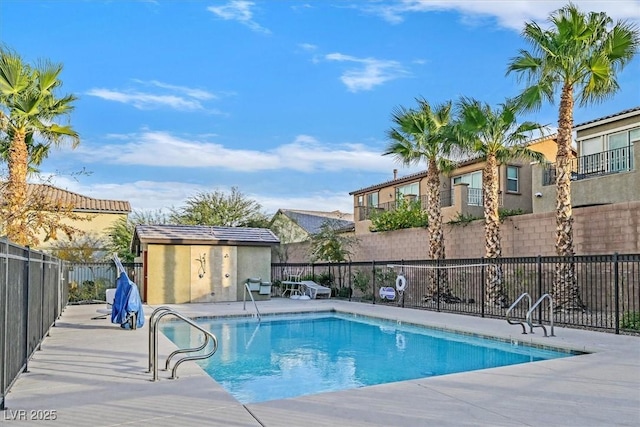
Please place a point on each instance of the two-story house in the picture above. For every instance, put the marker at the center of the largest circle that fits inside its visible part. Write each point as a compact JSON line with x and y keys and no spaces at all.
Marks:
{"x":460,"y":191}
{"x":605,"y":169}
{"x":93,"y":216}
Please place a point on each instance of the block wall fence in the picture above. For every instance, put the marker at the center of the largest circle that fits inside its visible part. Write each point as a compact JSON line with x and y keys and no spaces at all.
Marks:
{"x":597,"y":230}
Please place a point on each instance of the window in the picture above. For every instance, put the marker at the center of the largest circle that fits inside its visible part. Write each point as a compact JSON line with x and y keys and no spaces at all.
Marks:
{"x":405,"y":190}
{"x":513,"y":185}
{"x":361,"y":200}
{"x":474,"y":179}
{"x":372,"y":200}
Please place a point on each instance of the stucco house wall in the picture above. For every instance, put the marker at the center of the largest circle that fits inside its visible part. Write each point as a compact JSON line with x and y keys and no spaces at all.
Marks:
{"x":459,"y":204}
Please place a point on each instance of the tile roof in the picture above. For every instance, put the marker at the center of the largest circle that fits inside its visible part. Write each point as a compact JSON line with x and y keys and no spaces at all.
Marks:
{"x":312,"y":221}
{"x":79,"y":202}
{"x":611,"y":116}
{"x":200,"y":234}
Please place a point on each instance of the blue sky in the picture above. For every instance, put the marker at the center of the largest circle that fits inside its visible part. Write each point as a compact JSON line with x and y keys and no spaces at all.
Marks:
{"x":289,"y":101}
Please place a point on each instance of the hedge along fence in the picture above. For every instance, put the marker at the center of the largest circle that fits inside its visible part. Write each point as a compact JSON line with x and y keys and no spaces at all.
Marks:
{"x":33,"y":293}
{"x":609,"y":286}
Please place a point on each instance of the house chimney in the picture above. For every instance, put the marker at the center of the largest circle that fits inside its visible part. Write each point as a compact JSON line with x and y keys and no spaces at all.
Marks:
{"x":395,"y":174}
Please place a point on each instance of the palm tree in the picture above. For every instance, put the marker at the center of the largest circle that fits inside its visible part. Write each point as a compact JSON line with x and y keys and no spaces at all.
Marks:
{"x":496,"y":137}
{"x":578,"y":56}
{"x":29,"y":109}
{"x":424,"y":134}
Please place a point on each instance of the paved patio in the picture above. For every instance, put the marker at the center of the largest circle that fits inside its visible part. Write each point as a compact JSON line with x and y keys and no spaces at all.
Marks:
{"x":92,"y":373}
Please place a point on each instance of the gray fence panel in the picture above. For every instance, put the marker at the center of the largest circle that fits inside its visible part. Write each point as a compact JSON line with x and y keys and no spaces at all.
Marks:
{"x":32,"y":297}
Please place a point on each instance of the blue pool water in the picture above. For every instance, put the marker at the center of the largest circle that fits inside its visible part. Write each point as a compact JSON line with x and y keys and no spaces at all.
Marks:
{"x":289,"y":356}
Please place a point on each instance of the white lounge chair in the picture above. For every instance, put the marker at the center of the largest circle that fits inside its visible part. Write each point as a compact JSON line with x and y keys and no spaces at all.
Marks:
{"x":314,"y":290}
{"x":110,"y":296}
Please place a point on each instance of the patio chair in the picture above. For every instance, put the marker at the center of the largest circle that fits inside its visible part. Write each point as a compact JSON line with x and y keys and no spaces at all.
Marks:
{"x":315,"y":290}
{"x":292,"y":275}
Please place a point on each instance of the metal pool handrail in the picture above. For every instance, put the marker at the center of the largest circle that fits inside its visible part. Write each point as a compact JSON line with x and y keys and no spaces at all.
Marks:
{"x":513,"y":306}
{"x":244,"y":300}
{"x":158,"y":314}
{"x":540,"y":325}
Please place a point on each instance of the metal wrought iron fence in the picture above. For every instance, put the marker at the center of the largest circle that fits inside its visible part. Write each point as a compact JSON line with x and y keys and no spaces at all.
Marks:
{"x":33,"y":293}
{"x":608,"y":286}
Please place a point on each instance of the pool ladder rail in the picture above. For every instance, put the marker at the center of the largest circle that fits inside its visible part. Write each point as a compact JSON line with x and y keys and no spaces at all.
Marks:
{"x":158,"y":314}
{"x":247,"y":289}
{"x":529,"y":317}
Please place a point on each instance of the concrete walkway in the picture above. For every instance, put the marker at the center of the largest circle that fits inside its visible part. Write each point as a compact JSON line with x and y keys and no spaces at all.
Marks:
{"x":92,"y":373}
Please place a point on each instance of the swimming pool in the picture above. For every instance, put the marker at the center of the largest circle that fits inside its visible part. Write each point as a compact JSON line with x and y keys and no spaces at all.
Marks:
{"x":294,"y":355}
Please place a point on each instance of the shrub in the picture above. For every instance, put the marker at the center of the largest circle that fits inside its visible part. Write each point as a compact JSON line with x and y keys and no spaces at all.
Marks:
{"x":630,"y":320}
{"x":405,"y":215}
{"x":361,"y":281}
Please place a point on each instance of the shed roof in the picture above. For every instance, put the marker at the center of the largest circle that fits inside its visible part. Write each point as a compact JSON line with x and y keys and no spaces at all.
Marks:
{"x":204,"y":234}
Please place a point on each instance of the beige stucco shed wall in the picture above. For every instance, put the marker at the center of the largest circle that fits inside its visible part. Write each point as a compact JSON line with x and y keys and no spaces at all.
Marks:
{"x":178,"y":274}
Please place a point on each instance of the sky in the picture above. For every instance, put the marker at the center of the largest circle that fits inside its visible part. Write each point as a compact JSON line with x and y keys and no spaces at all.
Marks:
{"x":289,"y":101}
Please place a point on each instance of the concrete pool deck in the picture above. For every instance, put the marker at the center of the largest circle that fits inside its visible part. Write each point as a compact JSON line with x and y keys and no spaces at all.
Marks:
{"x":92,"y":373}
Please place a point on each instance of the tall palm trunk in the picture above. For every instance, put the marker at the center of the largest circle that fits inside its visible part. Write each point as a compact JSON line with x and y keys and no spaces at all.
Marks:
{"x":438,"y":283}
{"x":565,"y":288}
{"x":493,"y":249}
{"x":16,"y":193}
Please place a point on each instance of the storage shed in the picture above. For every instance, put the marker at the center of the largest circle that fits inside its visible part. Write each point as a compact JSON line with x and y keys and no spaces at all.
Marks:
{"x":199,"y":263}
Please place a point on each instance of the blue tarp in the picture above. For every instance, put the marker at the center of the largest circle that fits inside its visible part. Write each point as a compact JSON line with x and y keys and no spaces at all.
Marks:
{"x":127,"y":302}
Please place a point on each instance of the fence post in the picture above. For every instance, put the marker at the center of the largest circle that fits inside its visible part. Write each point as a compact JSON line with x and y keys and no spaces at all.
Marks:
{"x":3,"y":344}
{"x":41,"y":334}
{"x":616,"y":291}
{"x":402,"y":271}
{"x":482,"y":286}
{"x":437,"y":284}
{"x":26,"y":310}
{"x":540,"y":293}
{"x":373,"y":281}
{"x":350,"y":280}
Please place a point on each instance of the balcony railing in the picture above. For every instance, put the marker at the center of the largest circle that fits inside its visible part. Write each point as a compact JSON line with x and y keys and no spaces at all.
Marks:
{"x":603,"y":163}
{"x":474,"y":198}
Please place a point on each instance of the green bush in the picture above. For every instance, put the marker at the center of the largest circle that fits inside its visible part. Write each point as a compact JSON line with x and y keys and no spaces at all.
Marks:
{"x":405,"y":215}
{"x":344,"y":292}
{"x":630,"y":320}
{"x":503,"y":213}
{"x":462,"y":219}
{"x":324,"y":279}
{"x":89,"y":290}
{"x":361,"y":281}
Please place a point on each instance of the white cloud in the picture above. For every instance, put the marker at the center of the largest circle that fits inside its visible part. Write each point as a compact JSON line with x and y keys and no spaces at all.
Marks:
{"x":509,"y":14}
{"x":303,"y":154}
{"x":372,"y":72}
{"x":177,"y":97}
{"x":190,"y":92}
{"x":144,"y":101}
{"x":240,"y":11}
{"x":153,"y":196}
{"x":308,"y":46}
